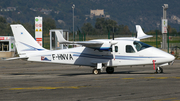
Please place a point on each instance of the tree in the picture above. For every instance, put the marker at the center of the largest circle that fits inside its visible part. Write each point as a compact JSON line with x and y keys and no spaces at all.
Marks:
{"x":48,"y":23}
{"x":30,"y":28}
{"x":3,"y":25}
{"x":103,"y":24}
{"x":88,"y":28}
{"x":172,"y":31}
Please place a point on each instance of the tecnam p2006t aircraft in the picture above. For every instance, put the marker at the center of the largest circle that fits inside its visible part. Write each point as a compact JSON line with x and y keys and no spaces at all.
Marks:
{"x":99,"y":54}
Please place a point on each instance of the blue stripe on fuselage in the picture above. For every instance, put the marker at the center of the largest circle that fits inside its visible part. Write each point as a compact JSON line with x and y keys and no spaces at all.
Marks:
{"x":111,"y":56}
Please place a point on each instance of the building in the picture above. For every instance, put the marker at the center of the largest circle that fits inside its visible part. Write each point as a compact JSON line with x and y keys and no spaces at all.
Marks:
{"x":98,"y":12}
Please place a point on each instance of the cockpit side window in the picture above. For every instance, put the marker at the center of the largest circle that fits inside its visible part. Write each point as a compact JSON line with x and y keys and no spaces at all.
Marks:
{"x":129,"y":49}
{"x":140,"y":45}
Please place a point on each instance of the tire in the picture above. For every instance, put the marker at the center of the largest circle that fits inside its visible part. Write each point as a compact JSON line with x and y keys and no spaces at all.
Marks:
{"x":96,"y":71}
{"x":110,"y":70}
{"x":160,"y":70}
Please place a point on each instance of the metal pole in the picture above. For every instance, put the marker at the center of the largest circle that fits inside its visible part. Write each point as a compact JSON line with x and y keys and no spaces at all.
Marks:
{"x":164,"y":34}
{"x":73,"y":22}
{"x":50,"y":40}
{"x":168,"y":41}
{"x":156,"y":40}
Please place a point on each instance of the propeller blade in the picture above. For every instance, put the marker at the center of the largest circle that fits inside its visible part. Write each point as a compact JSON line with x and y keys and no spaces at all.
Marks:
{"x":113,"y":50}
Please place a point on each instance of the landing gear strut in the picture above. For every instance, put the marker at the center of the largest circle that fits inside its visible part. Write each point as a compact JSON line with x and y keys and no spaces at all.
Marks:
{"x":159,"y":70}
{"x":98,"y":69}
{"x":110,"y":70}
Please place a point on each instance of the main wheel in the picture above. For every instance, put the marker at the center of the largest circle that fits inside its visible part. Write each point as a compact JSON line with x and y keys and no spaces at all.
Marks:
{"x":160,"y":70}
{"x":110,"y":70}
{"x":96,"y":71}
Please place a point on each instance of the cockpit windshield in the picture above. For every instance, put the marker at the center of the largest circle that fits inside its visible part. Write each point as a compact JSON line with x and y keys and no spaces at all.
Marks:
{"x":140,"y":45}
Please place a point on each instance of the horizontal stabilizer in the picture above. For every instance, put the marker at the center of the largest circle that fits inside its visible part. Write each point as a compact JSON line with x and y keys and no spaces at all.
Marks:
{"x":15,"y":58}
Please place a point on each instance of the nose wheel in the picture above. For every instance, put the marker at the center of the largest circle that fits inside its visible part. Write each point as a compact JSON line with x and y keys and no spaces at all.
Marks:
{"x":159,"y":70}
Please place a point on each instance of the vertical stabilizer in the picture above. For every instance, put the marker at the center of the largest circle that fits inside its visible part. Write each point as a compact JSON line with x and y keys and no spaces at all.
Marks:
{"x":24,"y":41}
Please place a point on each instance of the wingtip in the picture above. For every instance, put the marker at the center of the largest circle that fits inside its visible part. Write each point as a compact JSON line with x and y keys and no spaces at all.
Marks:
{"x":141,"y":34}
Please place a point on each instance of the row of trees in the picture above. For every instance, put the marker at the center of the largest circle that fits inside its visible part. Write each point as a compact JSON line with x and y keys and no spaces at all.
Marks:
{"x":5,"y":29}
{"x":105,"y":26}
{"x":102,"y":27}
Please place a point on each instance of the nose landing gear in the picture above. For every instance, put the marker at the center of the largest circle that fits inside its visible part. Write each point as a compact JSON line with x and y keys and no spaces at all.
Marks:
{"x":159,"y":70}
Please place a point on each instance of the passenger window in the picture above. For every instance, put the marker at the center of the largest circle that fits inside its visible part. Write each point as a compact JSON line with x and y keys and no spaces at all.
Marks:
{"x":129,"y":49}
{"x":116,"y":48}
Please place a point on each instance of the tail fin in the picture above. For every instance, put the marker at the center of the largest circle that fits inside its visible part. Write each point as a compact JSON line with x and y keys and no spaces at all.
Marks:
{"x":140,"y":33}
{"x":24,"y":41}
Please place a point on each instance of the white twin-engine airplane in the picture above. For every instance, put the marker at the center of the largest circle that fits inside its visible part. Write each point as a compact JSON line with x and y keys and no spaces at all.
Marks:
{"x":99,"y":54}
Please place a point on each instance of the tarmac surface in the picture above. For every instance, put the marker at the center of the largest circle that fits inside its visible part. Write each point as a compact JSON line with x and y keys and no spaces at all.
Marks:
{"x":31,"y":81}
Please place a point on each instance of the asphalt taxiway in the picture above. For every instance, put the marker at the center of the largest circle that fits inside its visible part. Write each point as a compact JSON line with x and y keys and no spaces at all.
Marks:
{"x":31,"y":81}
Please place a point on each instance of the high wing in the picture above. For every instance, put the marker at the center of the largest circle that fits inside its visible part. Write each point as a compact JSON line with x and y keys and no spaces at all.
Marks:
{"x":101,"y":44}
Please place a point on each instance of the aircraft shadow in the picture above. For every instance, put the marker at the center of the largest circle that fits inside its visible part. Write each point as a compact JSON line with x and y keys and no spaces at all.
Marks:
{"x":115,"y":73}
{"x":131,"y":72}
{"x":76,"y":74}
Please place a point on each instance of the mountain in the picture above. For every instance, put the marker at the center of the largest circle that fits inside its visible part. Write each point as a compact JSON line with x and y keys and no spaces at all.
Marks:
{"x":147,"y":13}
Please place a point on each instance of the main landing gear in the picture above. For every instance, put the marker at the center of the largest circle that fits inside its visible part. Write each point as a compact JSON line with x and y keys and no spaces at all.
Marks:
{"x":109,"y":70}
{"x":100,"y":68}
{"x":96,"y":71}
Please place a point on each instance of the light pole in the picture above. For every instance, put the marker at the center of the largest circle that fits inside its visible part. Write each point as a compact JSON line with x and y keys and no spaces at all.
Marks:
{"x":164,"y":27}
{"x":73,"y":22}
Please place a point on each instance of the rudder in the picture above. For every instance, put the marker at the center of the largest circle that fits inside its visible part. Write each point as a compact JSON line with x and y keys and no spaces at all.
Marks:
{"x":24,"y":41}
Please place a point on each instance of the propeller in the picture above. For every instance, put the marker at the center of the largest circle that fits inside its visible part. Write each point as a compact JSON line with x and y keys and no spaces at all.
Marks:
{"x":113,"y":50}
{"x":112,"y":42}
{"x":113,"y":46}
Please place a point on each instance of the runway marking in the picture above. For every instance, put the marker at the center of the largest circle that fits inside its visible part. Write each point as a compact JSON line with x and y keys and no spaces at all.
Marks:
{"x":166,"y":99}
{"x":176,"y":77}
{"x":46,"y":88}
{"x":128,"y":78}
